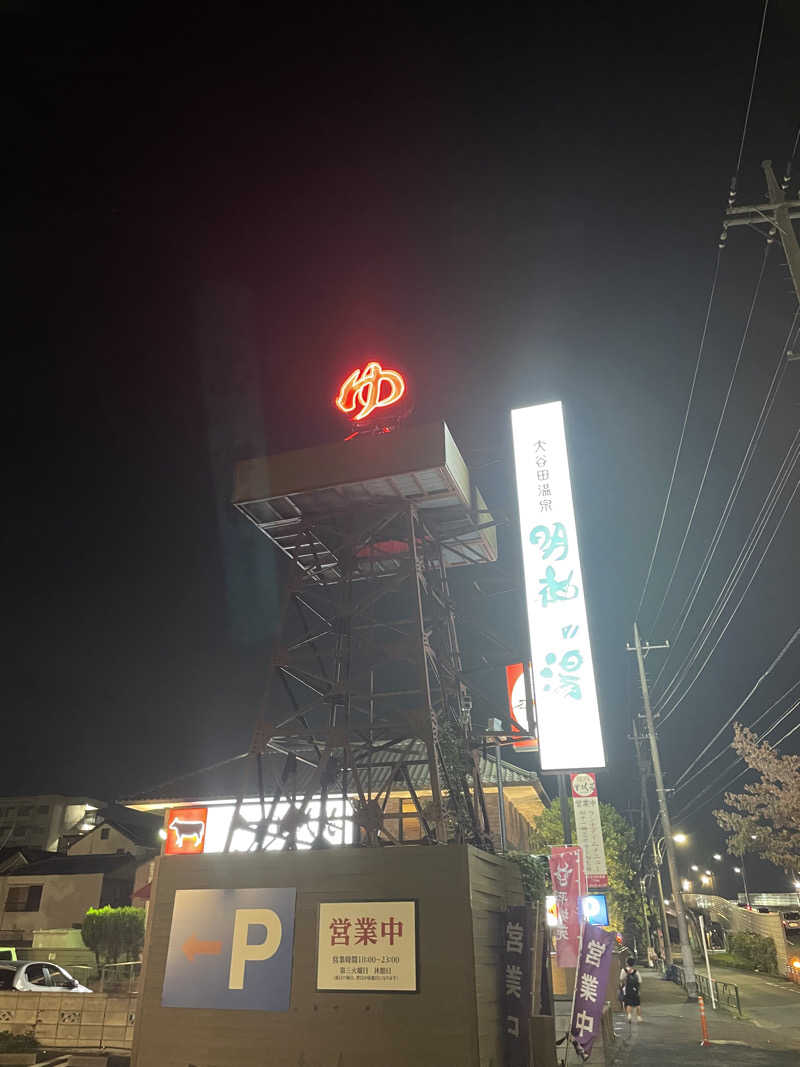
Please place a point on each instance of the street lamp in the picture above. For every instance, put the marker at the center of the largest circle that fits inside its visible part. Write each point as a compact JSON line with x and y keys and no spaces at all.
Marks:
{"x":740,"y":870}
{"x":695,"y":867}
{"x":718,"y":857}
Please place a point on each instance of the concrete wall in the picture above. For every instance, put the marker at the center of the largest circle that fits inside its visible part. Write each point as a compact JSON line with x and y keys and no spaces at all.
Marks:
{"x":70,"y":1020}
{"x":739,"y":920}
{"x":65,"y":899}
{"x":452,"y":1021}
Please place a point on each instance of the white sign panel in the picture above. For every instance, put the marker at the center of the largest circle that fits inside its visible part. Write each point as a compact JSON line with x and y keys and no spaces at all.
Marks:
{"x":563,"y":675}
{"x":589,"y":830}
{"x":367,"y":945}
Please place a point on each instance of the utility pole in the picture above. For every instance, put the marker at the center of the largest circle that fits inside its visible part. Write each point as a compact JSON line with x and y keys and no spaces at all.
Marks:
{"x":667,"y":944}
{"x":666,"y":825}
{"x":777,"y":213}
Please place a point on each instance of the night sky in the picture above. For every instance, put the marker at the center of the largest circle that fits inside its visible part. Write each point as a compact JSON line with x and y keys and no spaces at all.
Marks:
{"x":514,"y":208}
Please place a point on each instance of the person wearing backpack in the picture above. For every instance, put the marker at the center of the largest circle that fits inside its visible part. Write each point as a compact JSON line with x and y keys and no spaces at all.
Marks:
{"x":629,"y":988}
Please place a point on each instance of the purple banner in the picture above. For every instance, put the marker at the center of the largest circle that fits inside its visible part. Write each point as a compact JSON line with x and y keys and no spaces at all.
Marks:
{"x":518,"y":985}
{"x":591,"y":978}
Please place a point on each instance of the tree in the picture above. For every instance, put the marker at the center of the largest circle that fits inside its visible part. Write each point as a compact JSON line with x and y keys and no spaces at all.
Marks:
{"x":624,"y":901}
{"x":112,"y":933}
{"x":765,"y":818}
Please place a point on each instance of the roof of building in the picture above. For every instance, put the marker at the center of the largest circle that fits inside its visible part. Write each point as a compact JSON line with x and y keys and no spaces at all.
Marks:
{"x":140,"y":828}
{"x":15,"y":856}
{"x":99,"y":863}
{"x":238,"y":776}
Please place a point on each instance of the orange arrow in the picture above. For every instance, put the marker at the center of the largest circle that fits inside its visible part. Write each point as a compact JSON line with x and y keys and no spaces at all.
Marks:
{"x":193,"y":946}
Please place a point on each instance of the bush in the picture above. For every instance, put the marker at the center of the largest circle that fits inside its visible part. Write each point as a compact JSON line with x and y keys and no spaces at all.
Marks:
{"x":535,"y":875}
{"x":18,"y":1042}
{"x":112,"y":933}
{"x":754,"y":951}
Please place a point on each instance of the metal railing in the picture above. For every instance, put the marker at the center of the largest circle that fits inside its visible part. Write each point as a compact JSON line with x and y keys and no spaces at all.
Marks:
{"x":119,"y":979}
{"x":726,"y":994}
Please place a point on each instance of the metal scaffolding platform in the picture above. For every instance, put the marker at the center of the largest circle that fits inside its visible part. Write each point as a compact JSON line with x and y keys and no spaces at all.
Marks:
{"x":366,"y":681}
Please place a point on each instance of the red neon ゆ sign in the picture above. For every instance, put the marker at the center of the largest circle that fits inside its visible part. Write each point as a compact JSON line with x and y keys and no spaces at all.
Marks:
{"x":364,"y":391}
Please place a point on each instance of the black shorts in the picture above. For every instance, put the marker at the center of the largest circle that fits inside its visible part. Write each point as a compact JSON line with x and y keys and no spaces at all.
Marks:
{"x":631,"y":1000}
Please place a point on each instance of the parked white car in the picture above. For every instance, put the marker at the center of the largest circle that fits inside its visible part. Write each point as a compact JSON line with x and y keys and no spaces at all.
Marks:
{"x":38,"y":978}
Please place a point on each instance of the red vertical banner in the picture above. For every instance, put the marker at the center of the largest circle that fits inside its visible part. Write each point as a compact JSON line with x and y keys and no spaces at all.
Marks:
{"x":569,"y":885}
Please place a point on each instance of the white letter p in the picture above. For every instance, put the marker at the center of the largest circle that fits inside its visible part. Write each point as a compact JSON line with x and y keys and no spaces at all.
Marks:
{"x":241,"y":952}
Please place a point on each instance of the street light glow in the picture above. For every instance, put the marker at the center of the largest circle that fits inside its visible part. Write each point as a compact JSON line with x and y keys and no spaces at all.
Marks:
{"x":695,"y":867}
{"x":705,"y":879}
{"x":710,"y":875}
{"x":718,"y":857}
{"x":680,"y":838}
{"x":686,"y":885}
{"x":737,"y":870}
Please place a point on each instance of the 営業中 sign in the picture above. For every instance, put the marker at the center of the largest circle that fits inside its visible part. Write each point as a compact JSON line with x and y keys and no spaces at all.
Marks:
{"x":518,"y":985}
{"x":588,"y":829}
{"x":367,"y":945}
{"x":230,"y":948}
{"x":567,"y":715}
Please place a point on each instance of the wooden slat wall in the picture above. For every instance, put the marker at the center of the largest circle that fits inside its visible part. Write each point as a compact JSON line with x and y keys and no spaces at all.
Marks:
{"x":494,"y":885}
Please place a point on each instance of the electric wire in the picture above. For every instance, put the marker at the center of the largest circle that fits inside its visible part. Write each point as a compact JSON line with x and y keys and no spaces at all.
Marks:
{"x":727,"y":723}
{"x":752,"y":447}
{"x":725,"y":594}
{"x":752,"y":90}
{"x":679,"y":449}
{"x":720,"y":421}
{"x":752,"y":726}
{"x":736,"y":608}
{"x":693,"y":807}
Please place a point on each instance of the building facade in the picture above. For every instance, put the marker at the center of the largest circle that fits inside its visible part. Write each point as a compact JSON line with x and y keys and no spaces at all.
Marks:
{"x":42,"y":820}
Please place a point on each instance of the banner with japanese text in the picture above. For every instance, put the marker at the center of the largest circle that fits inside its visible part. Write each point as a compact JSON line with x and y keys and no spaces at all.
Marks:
{"x":569,"y":885}
{"x":367,"y":945}
{"x":591,"y":979}
{"x":518,"y":984}
{"x":567,"y":711}
{"x":588,"y":829}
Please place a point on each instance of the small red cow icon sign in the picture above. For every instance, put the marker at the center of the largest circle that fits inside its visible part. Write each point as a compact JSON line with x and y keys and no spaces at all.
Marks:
{"x":186,"y":831}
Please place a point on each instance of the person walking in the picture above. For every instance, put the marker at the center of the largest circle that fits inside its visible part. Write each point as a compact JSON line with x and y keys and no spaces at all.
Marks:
{"x":629,"y":989}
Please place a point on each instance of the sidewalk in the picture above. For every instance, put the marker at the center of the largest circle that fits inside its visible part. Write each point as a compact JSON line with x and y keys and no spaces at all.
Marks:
{"x":669,"y":1035}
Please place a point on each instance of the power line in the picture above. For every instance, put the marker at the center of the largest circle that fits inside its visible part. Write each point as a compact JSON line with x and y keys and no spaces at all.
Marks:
{"x":720,"y":421}
{"x":704,"y":768}
{"x":679,"y":449}
{"x":750,"y":98}
{"x":726,"y":724}
{"x":693,"y":807}
{"x":744,"y":467}
{"x":726,"y":592}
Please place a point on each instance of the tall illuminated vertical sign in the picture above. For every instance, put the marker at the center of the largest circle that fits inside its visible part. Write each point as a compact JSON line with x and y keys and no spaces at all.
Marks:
{"x":563,"y":674}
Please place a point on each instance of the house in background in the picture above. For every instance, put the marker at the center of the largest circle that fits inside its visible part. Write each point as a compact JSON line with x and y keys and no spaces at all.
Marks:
{"x":42,"y":820}
{"x":118,"y":830}
{"x":54,"y":894}
{"x":48,"y":894}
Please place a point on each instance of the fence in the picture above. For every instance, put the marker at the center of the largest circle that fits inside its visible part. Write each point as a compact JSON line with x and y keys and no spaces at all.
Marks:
{"x":119,"y":979}
{"x":726,"y":994}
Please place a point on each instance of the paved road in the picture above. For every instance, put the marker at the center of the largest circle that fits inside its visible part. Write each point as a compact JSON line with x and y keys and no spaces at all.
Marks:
{"x":669,"y":1034}
{"x":772,"y":1004}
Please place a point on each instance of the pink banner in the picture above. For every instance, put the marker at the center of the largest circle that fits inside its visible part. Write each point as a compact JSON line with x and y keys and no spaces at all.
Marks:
{"x":569,"y":884}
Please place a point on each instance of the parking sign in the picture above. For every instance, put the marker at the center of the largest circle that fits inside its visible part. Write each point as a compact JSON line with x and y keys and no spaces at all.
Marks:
{"x":230,"y":948}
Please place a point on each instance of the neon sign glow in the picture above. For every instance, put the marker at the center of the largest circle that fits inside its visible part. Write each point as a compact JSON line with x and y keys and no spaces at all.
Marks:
{"x":365,"y":391}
